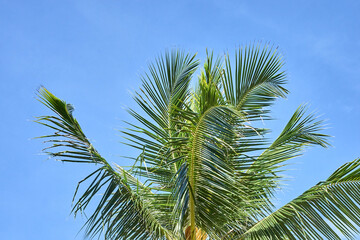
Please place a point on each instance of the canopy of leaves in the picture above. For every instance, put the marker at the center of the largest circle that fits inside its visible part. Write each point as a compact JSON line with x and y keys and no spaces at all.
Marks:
{"x":204,"y":169}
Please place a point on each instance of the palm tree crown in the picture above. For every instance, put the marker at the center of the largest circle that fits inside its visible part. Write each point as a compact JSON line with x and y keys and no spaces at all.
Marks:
{"x":204,"y":169}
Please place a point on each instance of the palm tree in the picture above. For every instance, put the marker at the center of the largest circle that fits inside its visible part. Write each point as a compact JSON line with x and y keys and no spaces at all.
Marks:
{"x":204,"y":169}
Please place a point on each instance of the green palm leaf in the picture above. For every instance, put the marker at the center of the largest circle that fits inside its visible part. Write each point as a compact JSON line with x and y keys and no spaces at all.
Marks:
{"x":256,"y":81}
{"x":125,"y":210}
{"x":315,"y":213}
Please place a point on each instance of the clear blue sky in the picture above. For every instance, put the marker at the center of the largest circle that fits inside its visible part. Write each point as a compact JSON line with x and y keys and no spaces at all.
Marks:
{"x":91,"y":54}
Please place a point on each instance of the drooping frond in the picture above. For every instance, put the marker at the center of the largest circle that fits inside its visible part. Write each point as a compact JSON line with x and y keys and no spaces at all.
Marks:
{"x":330,"y":204}
{"x":125,"y":210}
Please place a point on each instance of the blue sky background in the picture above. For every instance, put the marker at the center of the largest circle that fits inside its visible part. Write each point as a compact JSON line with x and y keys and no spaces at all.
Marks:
{"x":91,"y":54}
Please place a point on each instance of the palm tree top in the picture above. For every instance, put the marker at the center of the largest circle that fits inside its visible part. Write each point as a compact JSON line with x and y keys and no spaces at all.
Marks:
{"x":204,"y":168}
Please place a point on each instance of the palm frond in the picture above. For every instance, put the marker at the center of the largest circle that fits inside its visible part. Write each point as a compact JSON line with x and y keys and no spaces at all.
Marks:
{"x":333,"y":203}
{"x":302,"y":130}
{"x":213,"y":192}
{"x":165,"y":90}
{"x":126,"y":208}
{"x":256,"y":81}
{"x":263,"y":173}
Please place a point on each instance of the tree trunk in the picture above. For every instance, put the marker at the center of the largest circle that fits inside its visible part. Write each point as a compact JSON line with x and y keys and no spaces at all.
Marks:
{"x":199,"y":234}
